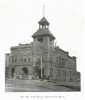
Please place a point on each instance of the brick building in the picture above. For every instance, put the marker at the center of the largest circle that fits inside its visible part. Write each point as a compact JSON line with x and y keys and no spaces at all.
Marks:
{"x":26,"y":59}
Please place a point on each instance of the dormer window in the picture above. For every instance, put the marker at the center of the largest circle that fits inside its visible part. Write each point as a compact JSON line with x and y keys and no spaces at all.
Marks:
{"x":50,"y":39}
{"x":40,"y":40}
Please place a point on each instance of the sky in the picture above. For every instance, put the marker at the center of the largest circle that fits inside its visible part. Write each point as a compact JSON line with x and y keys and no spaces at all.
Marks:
{"x":19,"y":21}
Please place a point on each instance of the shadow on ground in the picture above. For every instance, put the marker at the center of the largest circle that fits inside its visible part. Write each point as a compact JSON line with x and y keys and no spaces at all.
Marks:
{"x":72,"y":88}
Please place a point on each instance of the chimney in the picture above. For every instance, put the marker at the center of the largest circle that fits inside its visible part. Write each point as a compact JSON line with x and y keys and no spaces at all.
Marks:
{"x":20,"y":44}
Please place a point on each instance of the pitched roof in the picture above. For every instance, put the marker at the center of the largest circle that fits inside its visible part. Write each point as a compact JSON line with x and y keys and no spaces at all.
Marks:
{"x":43,"y":32}
{"x":44,"y":20}
{"x":58,"y":48}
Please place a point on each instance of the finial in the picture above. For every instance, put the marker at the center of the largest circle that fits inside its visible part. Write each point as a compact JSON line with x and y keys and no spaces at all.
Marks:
{"x":43,"y":10}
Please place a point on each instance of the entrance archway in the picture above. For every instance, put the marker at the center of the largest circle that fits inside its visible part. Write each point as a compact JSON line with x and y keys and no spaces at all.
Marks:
{"x":25,"y":70}
{"x":37,"y":71}
{"x":13,"y":71}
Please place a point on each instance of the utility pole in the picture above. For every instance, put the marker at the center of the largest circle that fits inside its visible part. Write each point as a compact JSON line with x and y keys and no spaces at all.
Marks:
{"x":41,"y":67}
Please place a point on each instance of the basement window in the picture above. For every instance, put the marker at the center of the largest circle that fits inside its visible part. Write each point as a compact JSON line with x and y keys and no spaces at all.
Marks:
{"x":40,"y":40}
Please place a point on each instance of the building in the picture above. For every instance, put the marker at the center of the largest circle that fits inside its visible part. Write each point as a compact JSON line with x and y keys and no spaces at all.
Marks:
{"x":7,"y":65}
{"x":65,"y":66}
{"x":41,"y":58}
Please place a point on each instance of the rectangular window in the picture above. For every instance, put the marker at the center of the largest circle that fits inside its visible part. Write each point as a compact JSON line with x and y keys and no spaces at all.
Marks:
{"x":15,"y":58}
{"x":12,"y":58}
{"x":28,"y":59}
{"x":25,"y":60}
{"x":50,"y":41}
{"x":40,"y":40}
{"x":68,"y":63}
{"x":59,"y":72}
{"x":59,"y":80}
{"x":70,"y":73}
{"x":21,"y":60}
{"x":64,"y":73}
{"x":63,"y":61}
{"x":60,"y":61}
{"x":74,"y":64}
{"x":57,"y":61}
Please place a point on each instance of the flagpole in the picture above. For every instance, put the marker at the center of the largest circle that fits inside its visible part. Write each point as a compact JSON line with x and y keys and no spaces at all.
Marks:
{"x":43,"y":10}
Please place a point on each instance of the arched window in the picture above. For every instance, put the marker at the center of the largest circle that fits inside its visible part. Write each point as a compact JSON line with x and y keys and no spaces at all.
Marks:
{"x":25,"y":70}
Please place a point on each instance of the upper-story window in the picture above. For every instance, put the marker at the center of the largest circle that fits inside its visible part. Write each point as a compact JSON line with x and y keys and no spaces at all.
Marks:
{"x":15,"y":58}
{"x":50,"y":39}
{"x":21,"y":59}
{"x":59,"y":72}
{"x":74,"y":64}
{"x":40,"y":40}
{"x":63,"y":62}
{"x":64,"y":73}
{"x":12,"y":58}
{"x":29,"y":59}
{"x":25,"y":59}
{"x":70,"y":73}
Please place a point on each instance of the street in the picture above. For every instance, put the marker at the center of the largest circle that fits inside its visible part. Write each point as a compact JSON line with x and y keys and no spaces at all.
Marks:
{"x":18,"y":85}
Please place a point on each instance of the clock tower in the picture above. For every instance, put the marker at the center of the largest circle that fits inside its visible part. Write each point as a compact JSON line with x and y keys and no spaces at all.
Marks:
{"x":43,"y":46}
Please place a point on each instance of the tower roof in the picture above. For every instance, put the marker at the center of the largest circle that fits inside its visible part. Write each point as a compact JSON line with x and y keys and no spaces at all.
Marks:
{"x":43,"y":32}
{"x":43,"y":20}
